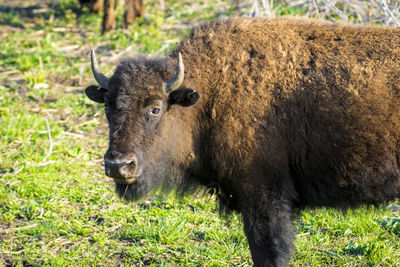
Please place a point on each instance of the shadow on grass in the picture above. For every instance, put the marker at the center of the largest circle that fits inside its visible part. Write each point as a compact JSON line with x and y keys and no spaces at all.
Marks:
{"x":11,"y":14}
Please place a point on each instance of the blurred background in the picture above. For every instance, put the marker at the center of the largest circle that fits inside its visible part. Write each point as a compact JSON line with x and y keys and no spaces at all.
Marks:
{"x":56,"y":205}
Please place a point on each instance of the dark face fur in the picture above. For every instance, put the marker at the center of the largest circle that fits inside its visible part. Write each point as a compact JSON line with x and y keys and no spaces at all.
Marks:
{"x":141,"y":126}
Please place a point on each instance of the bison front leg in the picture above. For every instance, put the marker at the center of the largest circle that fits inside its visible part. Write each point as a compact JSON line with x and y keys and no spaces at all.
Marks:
{"x":269,"y":230}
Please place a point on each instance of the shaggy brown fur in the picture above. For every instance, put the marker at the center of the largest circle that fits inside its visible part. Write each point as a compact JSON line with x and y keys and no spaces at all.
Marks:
{"x":133,"y":9}
{"x":292,"y":113}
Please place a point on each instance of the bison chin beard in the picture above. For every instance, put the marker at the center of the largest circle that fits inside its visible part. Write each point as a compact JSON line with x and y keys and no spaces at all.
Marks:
{"x":163,"y":176}
{"x":134,"y":191}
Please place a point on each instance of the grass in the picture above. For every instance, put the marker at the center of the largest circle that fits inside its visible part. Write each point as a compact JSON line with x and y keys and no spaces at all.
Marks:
{"x":56,"y":206}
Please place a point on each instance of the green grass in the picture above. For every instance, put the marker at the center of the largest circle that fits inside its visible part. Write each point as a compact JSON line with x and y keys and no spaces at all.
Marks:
{"x":56,"y":206}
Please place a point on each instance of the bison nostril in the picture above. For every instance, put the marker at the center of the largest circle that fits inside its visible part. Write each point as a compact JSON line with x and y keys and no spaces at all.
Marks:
{"x":133,"y":161}
{"x":121,"y":168}
{"x":128,"y":169}
{"x":124,"y":170}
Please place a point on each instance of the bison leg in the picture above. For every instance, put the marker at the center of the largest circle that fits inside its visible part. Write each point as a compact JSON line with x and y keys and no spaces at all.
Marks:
{"x":109,"y":20}
{"x":133,"y":9}
{"x":269,"y":231}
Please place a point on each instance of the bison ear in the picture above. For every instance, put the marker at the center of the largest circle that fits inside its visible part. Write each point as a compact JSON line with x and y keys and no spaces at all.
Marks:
{"x":183,"y":97}
{"x":96,"y":93}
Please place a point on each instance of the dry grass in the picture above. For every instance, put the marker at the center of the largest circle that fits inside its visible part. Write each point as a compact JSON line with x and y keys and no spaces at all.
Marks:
{"x":383,"y":12}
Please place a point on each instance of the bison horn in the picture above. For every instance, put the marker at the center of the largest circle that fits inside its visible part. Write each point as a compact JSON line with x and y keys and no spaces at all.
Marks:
{"x":98,"y":76}
{"x":177,"y":80}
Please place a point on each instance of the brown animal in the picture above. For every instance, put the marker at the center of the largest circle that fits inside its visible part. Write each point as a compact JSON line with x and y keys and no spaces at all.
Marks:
{"x":133,"y":9}
{"x":275,"y":114}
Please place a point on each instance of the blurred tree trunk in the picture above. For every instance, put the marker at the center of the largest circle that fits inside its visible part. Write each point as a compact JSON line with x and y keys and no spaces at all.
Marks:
{"x":96,"y":6}
{"x":109,"y":20}
{"x":133,"y":9}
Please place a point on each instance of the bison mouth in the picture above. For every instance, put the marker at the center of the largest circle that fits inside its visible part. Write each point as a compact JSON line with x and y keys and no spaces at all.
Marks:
{"x":127,"y":181}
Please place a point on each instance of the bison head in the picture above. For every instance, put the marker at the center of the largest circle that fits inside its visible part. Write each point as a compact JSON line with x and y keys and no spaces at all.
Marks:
{"x":143,"y":124}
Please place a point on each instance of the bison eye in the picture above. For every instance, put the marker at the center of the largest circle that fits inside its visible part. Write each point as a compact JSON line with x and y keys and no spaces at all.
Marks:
{"x":155,"y":111}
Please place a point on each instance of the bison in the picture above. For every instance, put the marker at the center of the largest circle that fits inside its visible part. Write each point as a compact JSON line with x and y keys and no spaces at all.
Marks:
{"x":133,"y":9}
{"x":274,"y":115}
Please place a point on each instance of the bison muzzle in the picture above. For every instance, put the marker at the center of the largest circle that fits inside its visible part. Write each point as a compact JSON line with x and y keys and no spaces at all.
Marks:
{"x":273,"y":115}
